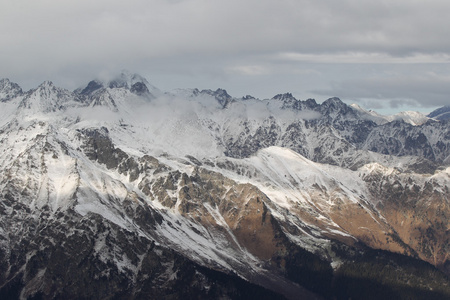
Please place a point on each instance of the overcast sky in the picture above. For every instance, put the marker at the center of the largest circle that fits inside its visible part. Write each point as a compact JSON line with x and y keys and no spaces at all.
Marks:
{"x":384,"y":55}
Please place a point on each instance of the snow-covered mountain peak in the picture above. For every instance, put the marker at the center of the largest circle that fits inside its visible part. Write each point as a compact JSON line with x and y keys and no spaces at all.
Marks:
{"x":135,"y":83}
{"x":288,"y":101}
{"x":92,"y":86}
{"x":47,"y":98}
{"x":311,"y":103}
{"x":336,"y":106}
{"x":412,"y":117}
{"x":336,"y":112}
{"x":47,"y":84}
{"x":220,"y":95}
{"x":9,"y":90}
{"x":121,"y":92}
{"x":49,"y":89}
{"x":284,"y":97}
{"x":333,"y":102}
{"x":118,"y":85}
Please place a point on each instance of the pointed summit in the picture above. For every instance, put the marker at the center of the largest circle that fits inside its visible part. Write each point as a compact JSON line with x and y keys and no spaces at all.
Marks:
{"x":135,"y":83}
{"x":284,"y":97}
{"x":290,"y":102}
{"x":9,"y":90}
{"x":47,"y":90}
{"x":47,"y":98}
{"x":91,"y":87}
{"x":112,"y":91}
{"x":221,"y":95}
{"x":333,"y":102}
{"x":335,"y":106}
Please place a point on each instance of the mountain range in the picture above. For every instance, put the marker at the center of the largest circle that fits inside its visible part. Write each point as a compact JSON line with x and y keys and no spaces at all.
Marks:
{"x":118,"y":190}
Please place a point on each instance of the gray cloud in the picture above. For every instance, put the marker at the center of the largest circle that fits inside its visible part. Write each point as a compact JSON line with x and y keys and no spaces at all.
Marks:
{"x":266,"y":46}
{"x":395,"y":90}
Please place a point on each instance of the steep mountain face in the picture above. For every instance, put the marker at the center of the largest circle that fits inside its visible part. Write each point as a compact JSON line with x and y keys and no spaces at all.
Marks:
{"x":118,"y":190}
{"x":429,"y":140}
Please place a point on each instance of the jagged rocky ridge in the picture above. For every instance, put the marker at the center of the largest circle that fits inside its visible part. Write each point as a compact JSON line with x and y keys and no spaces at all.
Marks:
{"x":120,"y":190}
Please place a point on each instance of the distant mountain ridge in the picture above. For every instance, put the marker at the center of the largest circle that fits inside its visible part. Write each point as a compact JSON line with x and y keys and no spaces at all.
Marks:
{"x":441,"y":114}
{"x":120,"y":190}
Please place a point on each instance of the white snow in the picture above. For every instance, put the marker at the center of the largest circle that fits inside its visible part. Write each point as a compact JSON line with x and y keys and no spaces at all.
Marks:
{"x":412,"y":117}
{"x":40,"y":147}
